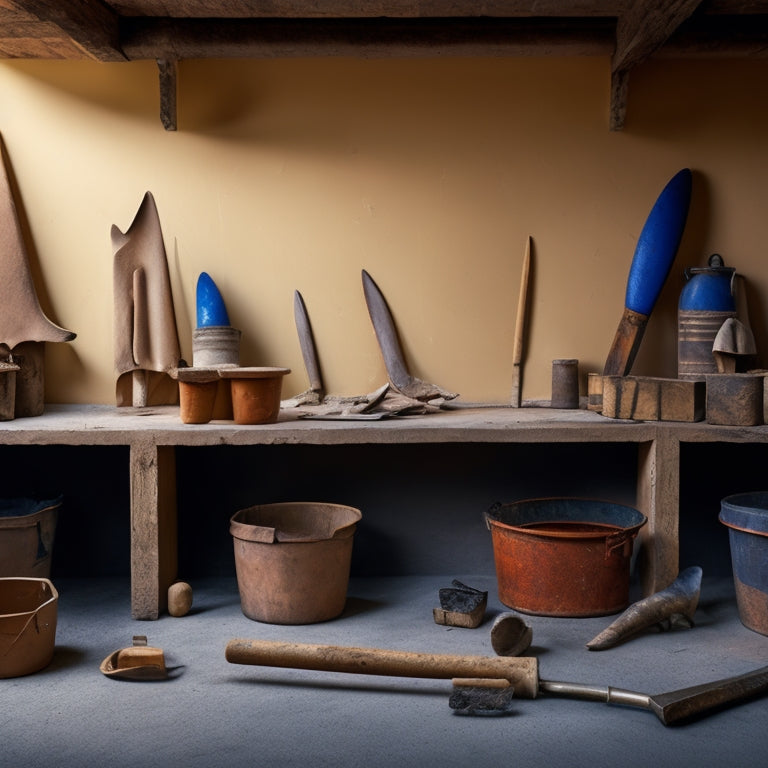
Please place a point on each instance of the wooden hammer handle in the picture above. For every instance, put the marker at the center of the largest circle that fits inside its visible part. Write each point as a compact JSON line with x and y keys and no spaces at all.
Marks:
{"x":521,"y":671}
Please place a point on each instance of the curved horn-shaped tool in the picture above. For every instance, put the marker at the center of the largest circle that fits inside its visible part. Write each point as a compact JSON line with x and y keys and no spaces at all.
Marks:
{"x":389,"y":343}
{"x":677,"y":603}
{"x":22,"y":318}
{"x":307,"y":343}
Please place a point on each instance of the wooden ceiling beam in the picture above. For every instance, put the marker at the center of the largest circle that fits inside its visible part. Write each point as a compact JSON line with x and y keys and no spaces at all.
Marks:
{"x":641,"y":31}
{"x":145,"y":38}
{"x":92,"y":26}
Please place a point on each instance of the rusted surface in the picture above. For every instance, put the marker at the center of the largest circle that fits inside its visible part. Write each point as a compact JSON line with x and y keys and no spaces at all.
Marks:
{"x":571,"y":561}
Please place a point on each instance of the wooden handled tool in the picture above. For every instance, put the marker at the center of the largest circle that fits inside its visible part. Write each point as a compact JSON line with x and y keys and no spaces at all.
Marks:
{"x":520,"y":671}
{"x":655,"y":251}
{"x":517,"y":348}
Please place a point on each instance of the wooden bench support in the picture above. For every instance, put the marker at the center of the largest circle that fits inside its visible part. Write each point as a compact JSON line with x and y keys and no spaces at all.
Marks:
{"x":658,"y":497}
{"x":154,"y":549}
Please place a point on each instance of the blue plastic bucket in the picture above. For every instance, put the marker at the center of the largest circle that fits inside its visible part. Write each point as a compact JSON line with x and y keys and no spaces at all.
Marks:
{"x":746,"y":516}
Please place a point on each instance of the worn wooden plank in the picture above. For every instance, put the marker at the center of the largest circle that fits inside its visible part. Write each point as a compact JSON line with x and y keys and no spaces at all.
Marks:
{"x":154,"y":559}
{"x":365,"y":8}
{"x":188,"y":38}
{"x":92,"y":26}
{"x":169,"y":73}
{"x":658,"y":498}
{"x":645,"y":27}
{"x":640,"y":31}
{"x":618,"y":104}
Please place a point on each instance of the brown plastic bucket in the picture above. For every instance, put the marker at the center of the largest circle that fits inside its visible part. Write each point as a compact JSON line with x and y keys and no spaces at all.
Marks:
{"x":28,"y":616}
{"x":563,"y":556}
{"x":292,"y":560}
{"x":27,"y":531}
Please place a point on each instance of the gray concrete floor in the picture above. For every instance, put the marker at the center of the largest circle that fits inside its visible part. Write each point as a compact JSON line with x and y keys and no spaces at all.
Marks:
{"x":213,"y":713}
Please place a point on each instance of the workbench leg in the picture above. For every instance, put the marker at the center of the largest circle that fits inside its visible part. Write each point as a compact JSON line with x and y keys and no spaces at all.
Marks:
{"x":154,"y":546}
{"x":658,"y":498}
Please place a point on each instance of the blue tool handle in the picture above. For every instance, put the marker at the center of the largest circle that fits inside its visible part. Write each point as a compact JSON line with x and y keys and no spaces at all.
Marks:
{"x":658,"y":243}
{"x":211,"y":310}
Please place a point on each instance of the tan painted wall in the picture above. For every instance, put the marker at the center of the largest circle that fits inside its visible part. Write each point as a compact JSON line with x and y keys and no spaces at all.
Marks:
{"x":430,"y":174}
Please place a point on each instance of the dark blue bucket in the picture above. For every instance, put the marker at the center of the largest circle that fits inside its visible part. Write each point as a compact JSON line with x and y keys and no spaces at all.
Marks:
{"x":746,"y":515}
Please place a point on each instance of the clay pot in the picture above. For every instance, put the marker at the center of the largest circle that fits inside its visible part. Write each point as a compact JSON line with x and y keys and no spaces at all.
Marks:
{"x":255,"y":393}
{"x":293,"y":560}
{"x":197,"y":394}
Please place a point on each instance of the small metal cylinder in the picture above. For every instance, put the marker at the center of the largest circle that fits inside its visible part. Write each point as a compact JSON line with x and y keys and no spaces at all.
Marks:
{"x":215,"y":345}
{"x":565,"y":384}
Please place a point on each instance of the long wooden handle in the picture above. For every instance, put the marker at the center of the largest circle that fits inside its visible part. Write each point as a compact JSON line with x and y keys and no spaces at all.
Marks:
{"x":626,"y":343}
{"x":517,"y":345}
{"x":521,"y":671}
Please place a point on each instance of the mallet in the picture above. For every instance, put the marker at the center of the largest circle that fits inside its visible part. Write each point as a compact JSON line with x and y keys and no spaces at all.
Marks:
{"x":473,"y":674}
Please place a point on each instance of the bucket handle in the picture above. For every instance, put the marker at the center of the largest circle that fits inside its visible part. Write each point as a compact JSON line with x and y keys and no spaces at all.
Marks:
{"x":619,"y":540}
{"x":491,"y":511}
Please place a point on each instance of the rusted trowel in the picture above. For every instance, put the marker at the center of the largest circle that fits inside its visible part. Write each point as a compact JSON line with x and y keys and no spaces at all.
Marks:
{"x":392,"y":352}
{"x":137,"y":662}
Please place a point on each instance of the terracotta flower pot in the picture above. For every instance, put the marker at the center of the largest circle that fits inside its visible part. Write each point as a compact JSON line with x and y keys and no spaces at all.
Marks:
{"x":197,"y":394}
{"x":255,"y":393}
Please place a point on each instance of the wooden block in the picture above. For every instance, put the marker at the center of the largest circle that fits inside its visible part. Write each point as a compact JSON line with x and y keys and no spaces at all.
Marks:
{"x":595,"y":392}
{"x":647,"y":398}
{"x":735,"y":399}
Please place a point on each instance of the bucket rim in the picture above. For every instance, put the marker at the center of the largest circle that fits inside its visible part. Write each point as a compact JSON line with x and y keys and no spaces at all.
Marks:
{"x":611,"y":528}
{"x":739,"y":512}
{"x":267,"y":534}
{"x":46,"y":583}
{"x":38,"y":505}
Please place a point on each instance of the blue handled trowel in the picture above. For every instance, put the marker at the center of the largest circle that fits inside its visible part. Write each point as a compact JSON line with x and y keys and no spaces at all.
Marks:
{"x":655,"y":251}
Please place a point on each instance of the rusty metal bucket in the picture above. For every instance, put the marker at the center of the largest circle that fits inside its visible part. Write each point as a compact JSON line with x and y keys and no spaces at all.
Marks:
{"x":746,"y":517}
{"x":563,"y":556}
{"x":292,"y":560}
{"x":28,"y":616}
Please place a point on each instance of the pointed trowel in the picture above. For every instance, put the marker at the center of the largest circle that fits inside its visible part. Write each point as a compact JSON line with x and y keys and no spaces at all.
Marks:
{"x":316,"y":392}
{"x":389,"y":343}
{"x":655,"y":251}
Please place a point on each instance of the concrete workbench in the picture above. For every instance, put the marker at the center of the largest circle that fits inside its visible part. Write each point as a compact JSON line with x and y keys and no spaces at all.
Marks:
{"x":153,"y":434}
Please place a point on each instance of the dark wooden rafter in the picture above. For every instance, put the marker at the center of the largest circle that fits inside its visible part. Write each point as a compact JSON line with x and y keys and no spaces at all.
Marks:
{"x":167,"y":31}
{"x":91,"y":25}
{"x":640,"y":32}
{"x":168,"y":70}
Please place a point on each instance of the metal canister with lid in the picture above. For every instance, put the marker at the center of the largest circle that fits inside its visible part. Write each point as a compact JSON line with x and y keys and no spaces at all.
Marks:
{"x":706,"y":302}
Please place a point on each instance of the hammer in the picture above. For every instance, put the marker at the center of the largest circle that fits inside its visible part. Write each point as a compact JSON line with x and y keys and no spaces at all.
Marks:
{"x":476,"y":677}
